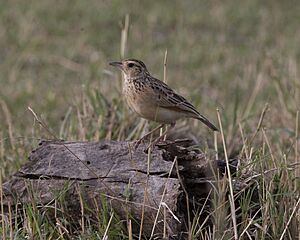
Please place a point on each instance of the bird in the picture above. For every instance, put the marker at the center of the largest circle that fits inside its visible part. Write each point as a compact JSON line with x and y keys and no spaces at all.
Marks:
{"x":152,"y":99}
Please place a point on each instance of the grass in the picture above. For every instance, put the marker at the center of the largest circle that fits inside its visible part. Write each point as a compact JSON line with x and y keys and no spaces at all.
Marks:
{"x":240,"y":57}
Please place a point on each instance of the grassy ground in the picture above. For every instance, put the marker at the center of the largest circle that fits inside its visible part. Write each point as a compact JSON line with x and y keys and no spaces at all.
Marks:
{"x":239,"y":56}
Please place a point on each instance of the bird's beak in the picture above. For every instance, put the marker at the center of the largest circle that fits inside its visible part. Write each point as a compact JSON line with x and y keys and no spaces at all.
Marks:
{"x":117,"y":64}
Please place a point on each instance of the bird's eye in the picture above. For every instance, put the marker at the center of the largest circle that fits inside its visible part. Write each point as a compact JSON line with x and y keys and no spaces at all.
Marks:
{"x":130,"y":65}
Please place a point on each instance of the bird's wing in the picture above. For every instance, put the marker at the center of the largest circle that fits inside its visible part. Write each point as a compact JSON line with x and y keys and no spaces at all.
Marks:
{"x":167,"y":98}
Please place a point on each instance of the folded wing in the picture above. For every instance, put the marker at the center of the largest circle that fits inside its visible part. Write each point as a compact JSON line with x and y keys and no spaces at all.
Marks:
{"x":167,"y":98}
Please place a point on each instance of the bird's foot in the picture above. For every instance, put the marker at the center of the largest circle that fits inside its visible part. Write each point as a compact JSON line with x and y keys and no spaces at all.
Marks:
{"x":156,"y":141}
{"x":137,"y":143}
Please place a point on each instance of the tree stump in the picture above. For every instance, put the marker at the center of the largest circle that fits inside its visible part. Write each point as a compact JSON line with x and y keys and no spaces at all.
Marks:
{"x":135,"y":184}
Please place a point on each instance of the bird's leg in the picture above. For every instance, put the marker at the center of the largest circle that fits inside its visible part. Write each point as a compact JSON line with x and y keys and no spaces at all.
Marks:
{"x":162,"y":136}
{"x":138,"y":142}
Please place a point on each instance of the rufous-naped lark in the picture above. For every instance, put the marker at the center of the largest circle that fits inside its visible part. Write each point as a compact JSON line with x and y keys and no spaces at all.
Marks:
{"x":154,"y":100}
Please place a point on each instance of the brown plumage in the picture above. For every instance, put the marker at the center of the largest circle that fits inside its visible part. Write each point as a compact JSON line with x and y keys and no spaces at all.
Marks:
{"x":152,"y":99}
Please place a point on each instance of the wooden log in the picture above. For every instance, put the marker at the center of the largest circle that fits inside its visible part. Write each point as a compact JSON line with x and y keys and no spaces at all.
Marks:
{"x":132,"y":182}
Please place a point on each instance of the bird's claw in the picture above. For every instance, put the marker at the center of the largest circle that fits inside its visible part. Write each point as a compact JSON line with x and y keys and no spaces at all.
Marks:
{"x":137,"y":143}
{"x":154,"y":143}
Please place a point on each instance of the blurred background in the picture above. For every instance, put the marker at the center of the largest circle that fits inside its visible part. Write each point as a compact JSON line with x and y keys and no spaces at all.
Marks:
{"x":232,"y":55}
{"x":241,"y":57}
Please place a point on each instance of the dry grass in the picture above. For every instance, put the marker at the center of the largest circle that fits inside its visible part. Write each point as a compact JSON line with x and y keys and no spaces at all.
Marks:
{"x":240,"y":57}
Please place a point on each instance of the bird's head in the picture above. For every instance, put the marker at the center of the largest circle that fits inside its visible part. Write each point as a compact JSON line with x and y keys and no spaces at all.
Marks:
{"x":131,"y":67}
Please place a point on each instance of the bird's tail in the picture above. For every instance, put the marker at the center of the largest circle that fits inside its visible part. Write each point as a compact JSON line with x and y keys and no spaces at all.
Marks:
{"x":207,"y":122}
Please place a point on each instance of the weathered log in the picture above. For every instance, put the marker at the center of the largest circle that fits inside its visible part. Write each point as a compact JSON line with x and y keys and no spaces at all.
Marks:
{"x":131,"y":181}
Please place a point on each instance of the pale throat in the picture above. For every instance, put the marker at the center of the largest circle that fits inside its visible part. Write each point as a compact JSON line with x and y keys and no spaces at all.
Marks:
{"x":128,"y":78}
